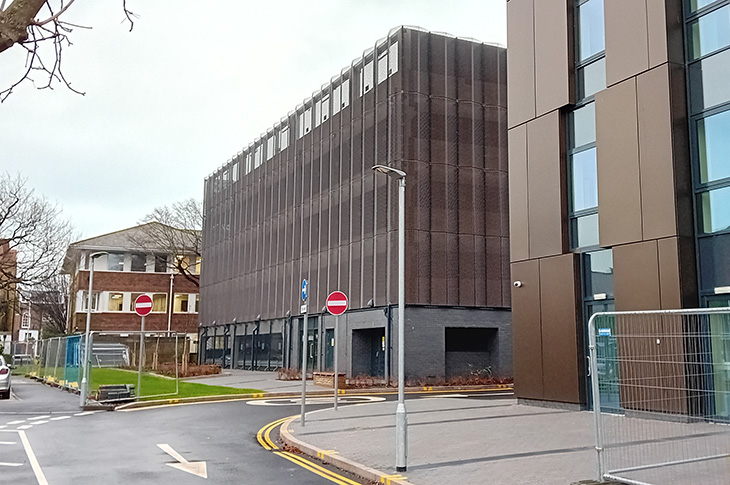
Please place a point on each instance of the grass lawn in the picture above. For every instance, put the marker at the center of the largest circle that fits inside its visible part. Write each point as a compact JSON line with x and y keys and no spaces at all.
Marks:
{"x":154,"y":385}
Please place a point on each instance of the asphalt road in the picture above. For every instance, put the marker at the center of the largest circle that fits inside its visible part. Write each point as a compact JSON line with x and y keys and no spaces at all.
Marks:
{"x":118,"y":447}
{"x":46,"y":439}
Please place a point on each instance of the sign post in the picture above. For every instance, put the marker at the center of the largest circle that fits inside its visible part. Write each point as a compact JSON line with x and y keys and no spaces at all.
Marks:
{"x":336,"y":305}
{"x":143,"y":307}
{"x":305,"y":287}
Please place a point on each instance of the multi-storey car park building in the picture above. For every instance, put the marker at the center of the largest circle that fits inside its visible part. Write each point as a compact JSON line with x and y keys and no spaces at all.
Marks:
{"x":619,"y":158}
{"x":302,"y":202}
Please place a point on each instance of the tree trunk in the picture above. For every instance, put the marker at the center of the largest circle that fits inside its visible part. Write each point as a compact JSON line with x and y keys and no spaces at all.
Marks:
{"x":15,"y":19}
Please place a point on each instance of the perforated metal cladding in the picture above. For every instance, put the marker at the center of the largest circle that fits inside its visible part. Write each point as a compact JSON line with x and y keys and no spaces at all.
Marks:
{"x":315,"y":210}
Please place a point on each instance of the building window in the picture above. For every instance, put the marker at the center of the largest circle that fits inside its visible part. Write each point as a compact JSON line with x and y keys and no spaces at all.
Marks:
{"x":115,"y":261}
{"x":345,"y":97}
{"x":160,"y":263}
{"x":197,"y":304}
{"x":382,"y":66}
{"x":305,"y":122}
{"x":159,"y":302}
{"x":94,"y":301}
{"x":708,"y":57}
{"x":181,"y":303}
{"x":138,"y":262}
{"x":366,"y":77}
{"x":583,"y":177}
{"x":582,"y":156}
{"x":234,"y":171}
{"x":590,"y":48}
{"x":270,"y":143}
{"x":249,"y":163}
{"x":25,"y":322}
{"x":258,"y":158}
{"x":116,"y":302}
{"x":284,"y":138}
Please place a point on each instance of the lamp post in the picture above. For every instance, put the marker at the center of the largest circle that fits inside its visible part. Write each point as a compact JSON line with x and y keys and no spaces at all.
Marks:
{"x":84,"y":380}
{"x":401,"y":417}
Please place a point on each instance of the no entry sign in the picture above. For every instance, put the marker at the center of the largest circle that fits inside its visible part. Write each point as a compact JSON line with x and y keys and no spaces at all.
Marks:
{"x":337,"y":303}
{"x":143,"y":305}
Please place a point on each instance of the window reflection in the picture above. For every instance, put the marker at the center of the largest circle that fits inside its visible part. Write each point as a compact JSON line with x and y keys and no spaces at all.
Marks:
{"x":592,"y":78}
{"x":591,"y":30}
{"x":715,"y":210}
{"x":599,"y":273}
{"x":709,"y":81}
{"x":585,"y":180}
{"x":585,"y":231}
{"x":583,"y":126}
{"x":710,"y":32}
{"x":713,"y":144}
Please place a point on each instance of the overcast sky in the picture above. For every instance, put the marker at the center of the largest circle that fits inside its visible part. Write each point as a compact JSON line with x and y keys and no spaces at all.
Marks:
{"x":188,"y":88}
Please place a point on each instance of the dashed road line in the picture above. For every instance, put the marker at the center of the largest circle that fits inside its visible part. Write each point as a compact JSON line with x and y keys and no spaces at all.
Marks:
{"x":2,"y":463}
{"x":8,"y":443}
{"x":59,"y":418}
{"x":34,"y":418}
{"x":17,"y":422}
{"x":86,"y":413}
{"x":25,"y":426}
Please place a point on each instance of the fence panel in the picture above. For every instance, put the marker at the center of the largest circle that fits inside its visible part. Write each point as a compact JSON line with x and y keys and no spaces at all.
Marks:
{"x":115,"y":361}
{"x":661,"y":395}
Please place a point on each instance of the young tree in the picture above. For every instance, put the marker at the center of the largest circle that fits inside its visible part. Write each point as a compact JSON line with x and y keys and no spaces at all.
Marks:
{"x":20,"y":26}
{"x":50,"y":300}
{"x":176,"y":230}
{"x":33,"y":232}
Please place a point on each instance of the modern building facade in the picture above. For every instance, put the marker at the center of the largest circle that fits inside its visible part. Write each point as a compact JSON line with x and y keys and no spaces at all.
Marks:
{"x":125,"y":268}
{"x":619,"y":159}
{"x":302,"y":202}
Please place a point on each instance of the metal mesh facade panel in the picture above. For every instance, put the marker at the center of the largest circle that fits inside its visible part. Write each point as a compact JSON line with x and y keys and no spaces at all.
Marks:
{"x":313,"y":208}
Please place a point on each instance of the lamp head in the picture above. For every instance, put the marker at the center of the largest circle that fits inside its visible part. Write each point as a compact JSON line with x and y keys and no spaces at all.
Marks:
{"x":390,"y":171}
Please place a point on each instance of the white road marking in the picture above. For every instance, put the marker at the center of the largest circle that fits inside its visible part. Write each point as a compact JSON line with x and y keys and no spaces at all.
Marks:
{"x":316,"y":400}
{"x":17,"y":422}
{"x":40,"y":422}
{"x":447,"y":395}
{"x":7,"y":443}
{"x":2,"y":463}
{"x":59,"y":418}
{"x":38,"y":417}
{"x":33,"y":460}
{"x":3,"y":426}
{"x":86,"y":413}
{"x":193,"y":467}
{"x":25,"y":426}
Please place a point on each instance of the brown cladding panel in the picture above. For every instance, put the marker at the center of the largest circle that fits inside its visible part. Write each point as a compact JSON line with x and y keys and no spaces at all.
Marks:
{"x":545,"y":168}
{"x":452,"y":268}
{"x":627,"y":42}
{"x":466,"y":270}
{"x":480,"y":271}
{"x":636,"y":276}
{"x":553,"y":66}
{"x":439,"y":254}
{"x":518,"y":203}
{"x":520,"y":62}
{"x":494,"y":271}
{"x":659,"y":217}
{"x":527,"y":331}
{"x":656,"y":21}
{"x":561,"y":331}
{"x":619,"y":193}
{"x":669,"y":282}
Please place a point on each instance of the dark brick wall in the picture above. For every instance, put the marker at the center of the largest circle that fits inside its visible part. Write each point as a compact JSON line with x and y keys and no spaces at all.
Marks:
{"x":130,"y":322}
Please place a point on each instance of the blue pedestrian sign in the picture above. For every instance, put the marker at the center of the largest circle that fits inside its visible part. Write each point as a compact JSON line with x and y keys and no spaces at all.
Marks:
{"x":304,"y":290}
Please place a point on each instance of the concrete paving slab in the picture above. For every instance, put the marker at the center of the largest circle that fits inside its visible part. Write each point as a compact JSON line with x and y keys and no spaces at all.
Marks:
{"x":263,"y":380}
{"x":461,"y":440}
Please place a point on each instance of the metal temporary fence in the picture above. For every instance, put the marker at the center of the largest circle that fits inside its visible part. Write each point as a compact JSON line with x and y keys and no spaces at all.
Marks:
{"x":114,"y":360}
{"x":661,"y":395}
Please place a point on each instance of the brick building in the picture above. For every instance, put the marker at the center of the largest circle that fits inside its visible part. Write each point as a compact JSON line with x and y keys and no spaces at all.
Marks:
{"x":125,"y":268}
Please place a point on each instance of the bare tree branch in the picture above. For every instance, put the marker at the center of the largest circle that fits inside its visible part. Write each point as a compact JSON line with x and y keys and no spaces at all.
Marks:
{"x":176,"y":230}
{"x":33,"y":236}
{"x":19,"y":26}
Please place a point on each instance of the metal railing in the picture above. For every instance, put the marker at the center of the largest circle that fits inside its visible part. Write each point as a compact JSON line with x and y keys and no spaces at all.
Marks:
{"x":661,"y":395}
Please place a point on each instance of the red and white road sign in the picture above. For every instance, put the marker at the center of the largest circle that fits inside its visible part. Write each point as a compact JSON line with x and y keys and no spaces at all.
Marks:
{"x":143,"y":305}
{"x":337,"y":303}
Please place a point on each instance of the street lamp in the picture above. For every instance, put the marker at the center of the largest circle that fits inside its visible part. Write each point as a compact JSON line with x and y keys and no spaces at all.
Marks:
{"x":401,"y":417}
{"x":84,"y":380}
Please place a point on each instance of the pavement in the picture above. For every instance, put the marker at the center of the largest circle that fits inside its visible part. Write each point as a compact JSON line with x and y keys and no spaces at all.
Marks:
{"x":452,"y":438}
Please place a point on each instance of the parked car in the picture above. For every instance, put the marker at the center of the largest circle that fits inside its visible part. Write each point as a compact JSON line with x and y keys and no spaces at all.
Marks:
{"x":4,"y":379}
